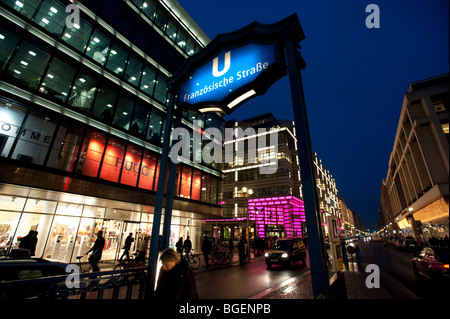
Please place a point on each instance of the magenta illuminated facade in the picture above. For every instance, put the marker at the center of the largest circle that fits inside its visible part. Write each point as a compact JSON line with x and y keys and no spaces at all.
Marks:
{"x":286,"y":212}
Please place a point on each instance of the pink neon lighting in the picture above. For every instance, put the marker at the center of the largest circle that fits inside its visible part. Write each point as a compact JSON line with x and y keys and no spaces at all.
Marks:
{"x":287,"y":211}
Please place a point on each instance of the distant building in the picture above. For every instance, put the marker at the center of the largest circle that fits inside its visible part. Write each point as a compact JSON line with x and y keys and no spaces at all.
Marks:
{"x":417,"y":182}
{"x":271,"y":203}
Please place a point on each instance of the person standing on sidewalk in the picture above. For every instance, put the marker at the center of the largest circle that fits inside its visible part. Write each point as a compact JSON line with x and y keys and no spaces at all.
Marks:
{"x":176,"y":279}
{"x":241,"y":248}
{"x":206,"y":249}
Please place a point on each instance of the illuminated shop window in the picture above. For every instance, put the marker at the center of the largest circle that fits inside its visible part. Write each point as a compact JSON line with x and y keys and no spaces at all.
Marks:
{"x":91,"y":154}
{"x":186,"y":180}
{"x":131,"y":166}
{"x":196,"y":185}
{"x":148,"y":169}
{"x":8,"y":42}
{"x":28,"y":65}
{"x":58,"y":80}
{"x":112,"y":161}
{"x":51,"y":16}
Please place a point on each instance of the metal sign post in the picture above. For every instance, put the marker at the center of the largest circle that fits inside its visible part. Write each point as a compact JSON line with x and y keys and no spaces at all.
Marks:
{"x":316,"y":248}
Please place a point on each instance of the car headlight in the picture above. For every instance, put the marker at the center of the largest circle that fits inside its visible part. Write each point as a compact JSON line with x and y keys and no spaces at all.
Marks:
{"x":284,"y":255}
{"x":266,"y":255}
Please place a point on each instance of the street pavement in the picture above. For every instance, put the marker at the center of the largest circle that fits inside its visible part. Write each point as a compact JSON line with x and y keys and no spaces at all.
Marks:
{"x":220,"y":282}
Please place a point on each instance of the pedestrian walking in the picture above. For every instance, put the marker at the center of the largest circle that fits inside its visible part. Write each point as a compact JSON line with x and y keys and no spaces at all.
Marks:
{"x":97,"y":251}
{"x":176,"y":280}
{"x":206,"y":249}
{"x":241,"y":248}
{"x":29,"y":242}
{"x":187,"y":245}
{"x":179,"y":246}
{"x":231,"y":245}
{"x":126,"y":248}
{"x":143,"y":246}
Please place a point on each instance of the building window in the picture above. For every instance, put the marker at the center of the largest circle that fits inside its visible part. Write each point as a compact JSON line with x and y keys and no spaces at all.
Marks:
{"x":104,"y":103}
{"x":124,"y":110}
{"x":91,"y":154}
{"x":8,"y":42}
{"x":78,"y":36}
{"x":154,"y":127}
{"x":117,"y":61}
{"x":26,"y":8}
{"x":51,"y":16}
{"x":140,"y":119}
{"x":112,"y":161}
{"x":186,"y":179}
{"x":83,"y":92}
{"x":148,"y":168}
{"x":148,"y":81}
{"x":28,"y":65}
{"x":98,"y":47}
{"x":131,"y":166}
{"x":11,"y":119}
{"x":65,"y":147}
{"x":34,"y":138}
{"x":58,"y":80}
{"x":134,"y":71}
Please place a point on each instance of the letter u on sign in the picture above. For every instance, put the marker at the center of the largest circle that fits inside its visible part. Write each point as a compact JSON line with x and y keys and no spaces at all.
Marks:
{"x":226,"y":67}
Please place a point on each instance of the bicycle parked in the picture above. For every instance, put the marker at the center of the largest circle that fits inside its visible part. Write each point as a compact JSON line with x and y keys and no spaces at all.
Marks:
{"x":193,"y":260}
{"x":134,"y":262}
{"x":220,"y":254}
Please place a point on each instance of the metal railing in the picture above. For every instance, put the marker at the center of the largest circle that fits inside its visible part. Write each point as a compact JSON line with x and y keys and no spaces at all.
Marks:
{"x":116,"y":284}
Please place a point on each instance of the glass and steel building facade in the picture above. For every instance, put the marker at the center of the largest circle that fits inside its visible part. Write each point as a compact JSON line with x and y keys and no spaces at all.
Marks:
{"x":82,"y":116}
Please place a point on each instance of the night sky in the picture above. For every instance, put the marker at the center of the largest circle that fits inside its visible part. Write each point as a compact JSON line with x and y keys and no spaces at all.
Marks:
{"x":354,"y":80}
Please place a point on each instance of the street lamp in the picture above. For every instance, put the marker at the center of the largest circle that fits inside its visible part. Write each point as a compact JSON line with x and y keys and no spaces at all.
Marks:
{"x":247,"y":193}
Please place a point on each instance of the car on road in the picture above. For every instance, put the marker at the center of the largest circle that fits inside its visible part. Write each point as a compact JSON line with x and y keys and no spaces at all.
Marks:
{"x":410,"y":244}
{"x":432,"y":263}
{"x":286,"y":251}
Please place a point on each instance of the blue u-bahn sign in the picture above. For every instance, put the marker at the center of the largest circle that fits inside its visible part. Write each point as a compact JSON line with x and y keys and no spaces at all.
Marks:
{"x":233,"y":68}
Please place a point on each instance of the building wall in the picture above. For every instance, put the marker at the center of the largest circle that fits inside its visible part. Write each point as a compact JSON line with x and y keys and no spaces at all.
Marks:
{"x":418,"y":166}
{"x":83,"y":110}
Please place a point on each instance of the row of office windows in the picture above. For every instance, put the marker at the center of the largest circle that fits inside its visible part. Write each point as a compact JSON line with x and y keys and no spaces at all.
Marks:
{"x":154,"y":11}
{"x":30,"y":136}
{"x":93,"y":42}
{"x":32,"y":67}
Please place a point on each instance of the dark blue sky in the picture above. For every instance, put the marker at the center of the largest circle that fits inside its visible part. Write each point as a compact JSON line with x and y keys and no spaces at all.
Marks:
{"x":354,"y":80}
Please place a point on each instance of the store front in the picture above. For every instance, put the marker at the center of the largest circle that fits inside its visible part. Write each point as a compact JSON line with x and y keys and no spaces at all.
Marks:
{"x":67,"y":229}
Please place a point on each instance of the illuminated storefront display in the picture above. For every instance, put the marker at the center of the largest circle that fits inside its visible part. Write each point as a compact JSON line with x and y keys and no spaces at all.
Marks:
{"x":66,"y":230}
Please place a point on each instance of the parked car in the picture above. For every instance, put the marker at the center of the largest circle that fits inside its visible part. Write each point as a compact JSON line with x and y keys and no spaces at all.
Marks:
{"x":27,"y":268}
{"x":432,"y":263}
{"x":286,"y":251}
{"x":410,"y":244}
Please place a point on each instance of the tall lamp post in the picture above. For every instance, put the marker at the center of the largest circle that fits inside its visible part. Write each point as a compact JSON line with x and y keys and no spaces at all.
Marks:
{"x":247,"y":194}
